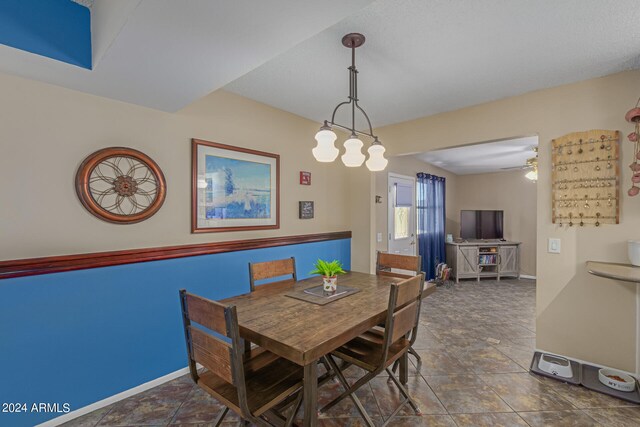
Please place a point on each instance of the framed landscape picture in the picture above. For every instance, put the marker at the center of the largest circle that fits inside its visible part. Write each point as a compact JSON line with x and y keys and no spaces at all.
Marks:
{"x":233,"y":188}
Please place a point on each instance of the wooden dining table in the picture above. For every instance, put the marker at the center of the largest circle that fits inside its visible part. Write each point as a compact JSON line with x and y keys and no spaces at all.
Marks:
{"x":303,"y":332}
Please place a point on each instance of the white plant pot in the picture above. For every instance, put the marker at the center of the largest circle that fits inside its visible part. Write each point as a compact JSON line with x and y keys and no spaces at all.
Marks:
{"x":329,"y":284}
{"x":634,"y":252}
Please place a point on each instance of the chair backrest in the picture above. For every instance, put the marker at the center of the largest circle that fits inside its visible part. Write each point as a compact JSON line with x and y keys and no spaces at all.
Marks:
{"x":396,"y":265}
{"x":259,"y":271}
{"x":222,"y":358}
{"x":212,"y":352}
{"x":403,"y":310}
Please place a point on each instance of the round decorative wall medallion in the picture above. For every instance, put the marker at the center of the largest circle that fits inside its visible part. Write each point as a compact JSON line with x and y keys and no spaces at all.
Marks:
{"x":120,"y":185}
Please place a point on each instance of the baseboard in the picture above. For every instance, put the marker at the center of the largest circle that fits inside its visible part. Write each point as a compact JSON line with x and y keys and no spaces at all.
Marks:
{"x":526,"y":276}
{"x":113,"y":399}
{"x":585,"y":362}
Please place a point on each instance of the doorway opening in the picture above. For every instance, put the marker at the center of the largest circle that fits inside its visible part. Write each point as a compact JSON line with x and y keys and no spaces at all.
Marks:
{"x":401,"y":235}
{"x":489,"y":180}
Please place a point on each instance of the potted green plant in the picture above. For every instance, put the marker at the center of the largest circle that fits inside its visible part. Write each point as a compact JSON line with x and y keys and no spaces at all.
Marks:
{"x":329,"y":272}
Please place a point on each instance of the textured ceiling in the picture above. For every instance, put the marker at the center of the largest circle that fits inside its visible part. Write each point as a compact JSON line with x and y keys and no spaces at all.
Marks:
{"x":422,"y":57}
{"x":483,"y":158}
{"x":85,"y":3}
{"x":165,"y":54}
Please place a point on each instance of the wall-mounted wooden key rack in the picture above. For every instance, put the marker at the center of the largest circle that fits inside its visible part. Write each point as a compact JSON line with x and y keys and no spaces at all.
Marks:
{"x":586,"y":178}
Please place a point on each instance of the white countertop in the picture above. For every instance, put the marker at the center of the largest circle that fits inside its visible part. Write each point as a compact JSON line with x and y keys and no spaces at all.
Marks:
{"x":615,"y":271}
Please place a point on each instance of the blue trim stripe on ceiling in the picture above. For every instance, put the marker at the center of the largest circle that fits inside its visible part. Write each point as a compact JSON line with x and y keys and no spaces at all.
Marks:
{"x":58,"y":29}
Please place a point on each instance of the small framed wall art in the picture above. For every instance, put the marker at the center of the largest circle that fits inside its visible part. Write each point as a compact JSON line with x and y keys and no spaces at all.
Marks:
{"x":233,"y":188}
{"x":305,"y":210}
{"x":305,"y":178}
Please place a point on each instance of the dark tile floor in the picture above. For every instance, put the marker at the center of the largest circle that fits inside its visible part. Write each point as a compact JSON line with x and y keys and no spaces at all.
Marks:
{"x":476,"y":343}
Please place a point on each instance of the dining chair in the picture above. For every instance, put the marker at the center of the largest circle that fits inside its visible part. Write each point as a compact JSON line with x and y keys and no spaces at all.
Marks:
{"x":402,"y":266}
{"x":396,"y":265}
{"x":377,"y":349}
{"x":257,"y":386}
{"x":259,"y":271}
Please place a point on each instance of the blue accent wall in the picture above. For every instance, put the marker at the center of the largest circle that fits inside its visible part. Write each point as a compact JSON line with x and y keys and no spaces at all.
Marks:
{"x":58,"y":29}
{"x":82,"y":336}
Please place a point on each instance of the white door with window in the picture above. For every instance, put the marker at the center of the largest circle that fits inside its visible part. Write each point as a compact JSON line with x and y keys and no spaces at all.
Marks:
{"x":402,"y":215}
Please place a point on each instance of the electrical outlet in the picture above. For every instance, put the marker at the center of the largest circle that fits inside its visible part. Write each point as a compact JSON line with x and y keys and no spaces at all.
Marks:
{"x":379,"y":237}
{"x":554,"y":246}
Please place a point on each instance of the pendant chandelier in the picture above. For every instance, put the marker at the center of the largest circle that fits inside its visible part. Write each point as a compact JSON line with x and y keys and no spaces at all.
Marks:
{"x":326,"y":151}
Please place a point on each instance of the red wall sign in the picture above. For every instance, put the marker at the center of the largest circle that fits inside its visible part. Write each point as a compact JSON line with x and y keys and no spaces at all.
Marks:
{"x":305,"y":178}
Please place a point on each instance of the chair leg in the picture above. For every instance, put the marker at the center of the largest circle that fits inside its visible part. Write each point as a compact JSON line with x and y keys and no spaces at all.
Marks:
{"x":294,"y":411}
{"x":272,"y":418}
{"x":268,"y":419}
{"x":405,"y":393}
{"x":349,"y":391}
{"x":404,"y":368}
{"x":396,"y":364}
{"x":345,"y":384}
{"x":393,"y":414}
{"x":220,"y":417}
{"x":327,"y":367}
{"x":416,"y":355}
{"x":275,"y":416}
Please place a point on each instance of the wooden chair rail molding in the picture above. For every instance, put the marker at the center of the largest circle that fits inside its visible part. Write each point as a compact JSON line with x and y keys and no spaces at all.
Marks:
{"x":56,"y":264}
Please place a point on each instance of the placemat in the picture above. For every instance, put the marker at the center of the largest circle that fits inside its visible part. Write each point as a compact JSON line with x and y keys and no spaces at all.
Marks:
{"x":315,"y":295}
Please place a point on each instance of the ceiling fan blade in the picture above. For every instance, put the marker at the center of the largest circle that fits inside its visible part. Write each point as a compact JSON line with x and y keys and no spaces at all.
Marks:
{"x":523,"y":167}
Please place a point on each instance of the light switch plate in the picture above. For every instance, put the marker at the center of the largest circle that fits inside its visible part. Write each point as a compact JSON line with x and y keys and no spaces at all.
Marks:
{"x":554,"y":246}
{"x":379,"y":237}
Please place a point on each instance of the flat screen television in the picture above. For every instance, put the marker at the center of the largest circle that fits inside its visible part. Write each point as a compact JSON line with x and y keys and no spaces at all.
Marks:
{"x":481,"y":224}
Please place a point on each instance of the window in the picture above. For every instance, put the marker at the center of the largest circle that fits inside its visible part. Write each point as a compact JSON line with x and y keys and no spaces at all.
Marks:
{"x":401,"y":222}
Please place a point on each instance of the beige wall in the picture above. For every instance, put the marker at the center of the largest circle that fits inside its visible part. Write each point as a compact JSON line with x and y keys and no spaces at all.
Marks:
{"x":508,"y":191}
{"x":578,"y":315}
{"x":360,"y":181}
{"x":46,"y":131}
{"x":410,"y":166}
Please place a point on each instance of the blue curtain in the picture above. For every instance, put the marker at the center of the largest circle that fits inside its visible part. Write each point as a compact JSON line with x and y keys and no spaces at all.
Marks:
{"x":431,"y":217}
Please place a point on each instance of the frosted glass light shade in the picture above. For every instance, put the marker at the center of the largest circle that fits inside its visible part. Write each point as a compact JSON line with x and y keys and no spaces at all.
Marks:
{"x":353,"y":157}
{"x":325,"y":151}
{"x":376,"y":161}
{"x":532,"y":175}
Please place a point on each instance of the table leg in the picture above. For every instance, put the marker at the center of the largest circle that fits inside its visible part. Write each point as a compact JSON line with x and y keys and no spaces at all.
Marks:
{"x":310,"y":394}
{"x":404,"y":368}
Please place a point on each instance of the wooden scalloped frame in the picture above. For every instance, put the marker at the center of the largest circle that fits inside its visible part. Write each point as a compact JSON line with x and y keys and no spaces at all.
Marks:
{"x":89,"y":164}
{"x":595,"y":137}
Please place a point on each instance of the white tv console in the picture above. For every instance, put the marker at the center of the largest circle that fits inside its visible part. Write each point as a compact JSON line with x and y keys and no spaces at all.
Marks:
{"x":475,"y":259}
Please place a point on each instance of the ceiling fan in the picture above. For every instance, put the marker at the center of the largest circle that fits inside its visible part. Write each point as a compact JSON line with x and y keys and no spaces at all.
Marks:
{"x":531,"y":163}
